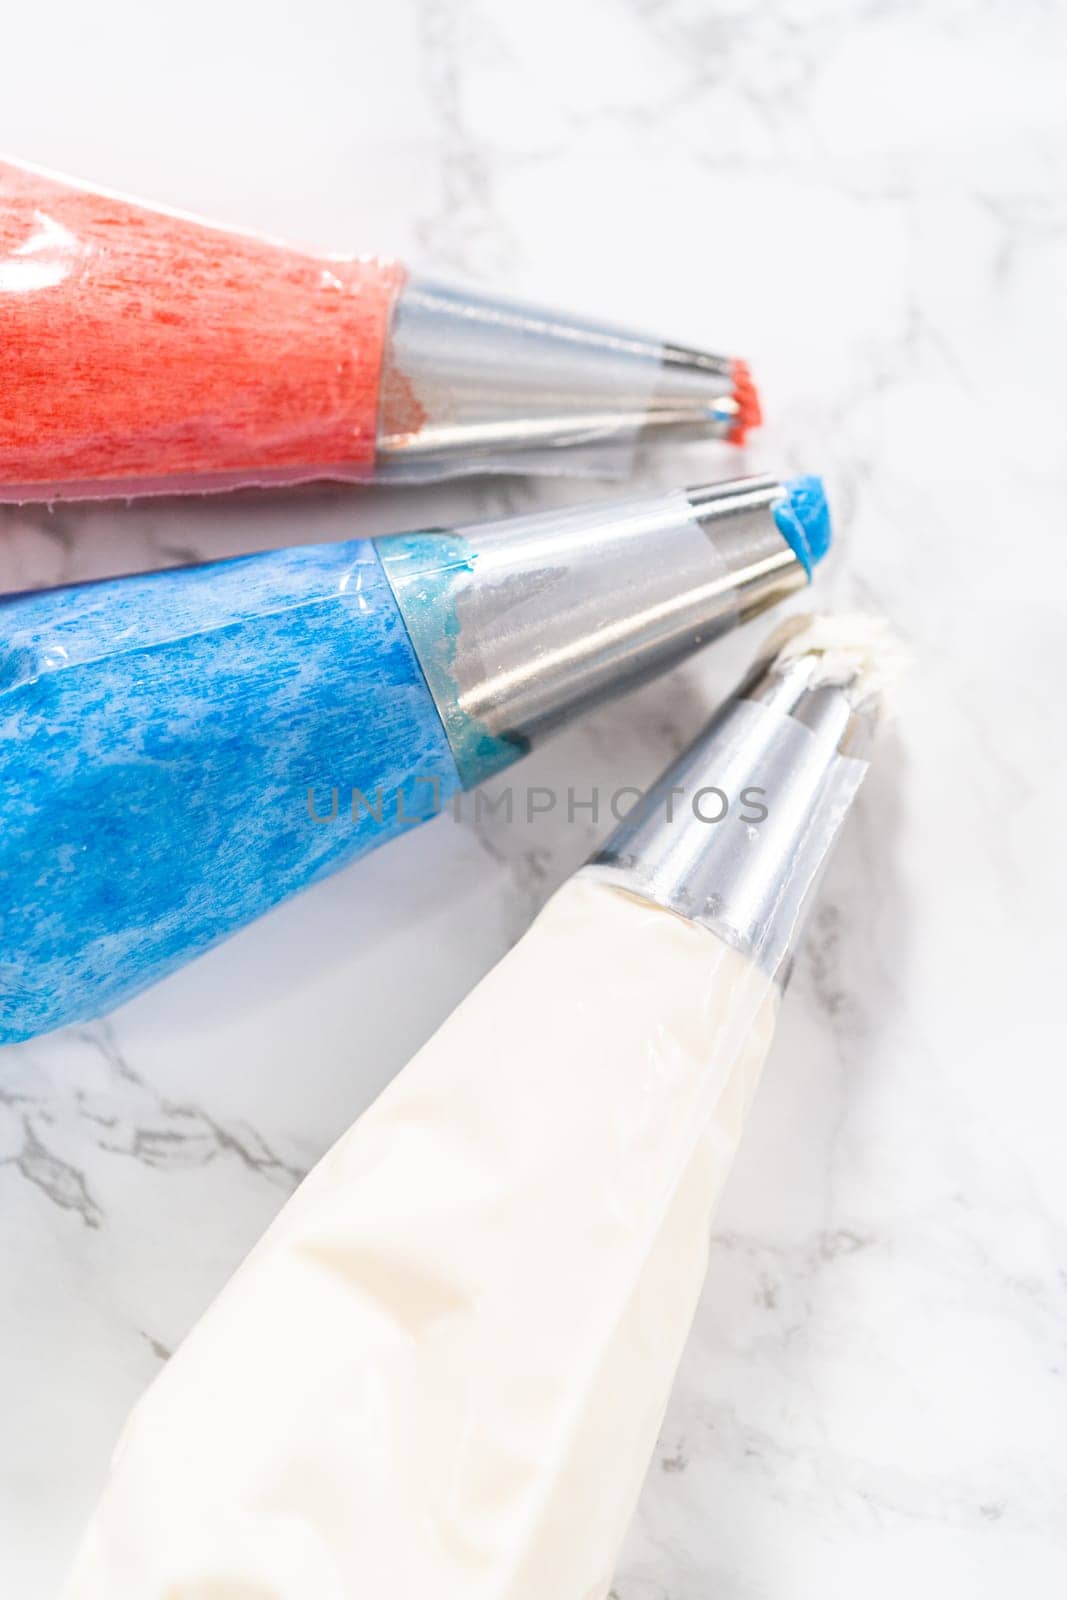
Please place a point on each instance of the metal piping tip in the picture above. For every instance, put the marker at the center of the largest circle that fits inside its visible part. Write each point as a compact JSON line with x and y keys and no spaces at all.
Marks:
{"x":833,"y":672}
{"x":704,"y":393}
{"x":519,"y":625}
{"x":677,"y":355}
{"x":490,"y":383}
{"x":738,"y":406}
{"x":736,"y":831}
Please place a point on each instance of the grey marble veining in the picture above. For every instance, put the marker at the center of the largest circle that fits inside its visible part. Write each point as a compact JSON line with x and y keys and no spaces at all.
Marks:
{"x":867,"y":202}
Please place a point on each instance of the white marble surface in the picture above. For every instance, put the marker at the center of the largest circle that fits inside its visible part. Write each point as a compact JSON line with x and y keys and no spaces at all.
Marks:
{"x":867,"y":200}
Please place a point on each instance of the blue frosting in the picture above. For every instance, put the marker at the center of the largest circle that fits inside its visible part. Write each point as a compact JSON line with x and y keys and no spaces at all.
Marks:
{"x":159,"y":740}
{"x":804,"y":519}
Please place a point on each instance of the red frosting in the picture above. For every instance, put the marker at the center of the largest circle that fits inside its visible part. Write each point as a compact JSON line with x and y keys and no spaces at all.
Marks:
{"x":141,"y":350}
{"x":747,"y":397}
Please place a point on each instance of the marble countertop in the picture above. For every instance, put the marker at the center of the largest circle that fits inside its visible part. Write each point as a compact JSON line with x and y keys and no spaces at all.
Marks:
{"x":868,"y":201}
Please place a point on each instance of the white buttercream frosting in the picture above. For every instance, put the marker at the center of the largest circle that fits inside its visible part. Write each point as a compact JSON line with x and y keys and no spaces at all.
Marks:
{"x":442,"y":1371}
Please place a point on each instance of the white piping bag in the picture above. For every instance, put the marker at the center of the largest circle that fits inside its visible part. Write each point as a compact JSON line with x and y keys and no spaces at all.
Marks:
{"x":442,"y":1371}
